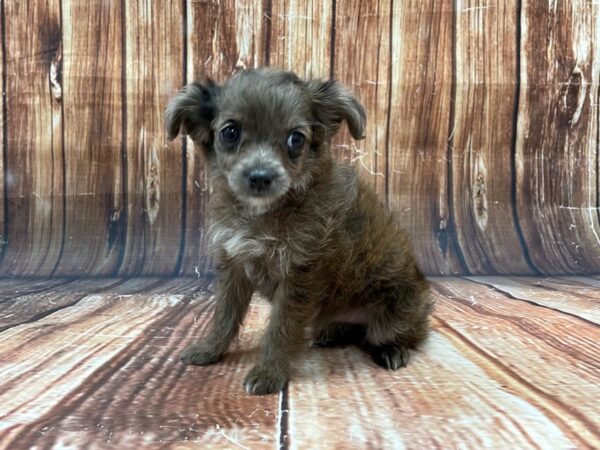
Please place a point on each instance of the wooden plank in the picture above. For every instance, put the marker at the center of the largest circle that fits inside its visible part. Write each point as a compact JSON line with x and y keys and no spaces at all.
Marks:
{"x":28,"y":303}
{"x":363,"y":28}
{"x":34,"y":153}
{"x":15,"y":287}
{"x":509,"y":374}
{"x":547,"y":358}
{"x":154,"y":43}
{"x":483,"y":343}
{"x":557,"y":139}
{"x":92,"y":98}
{"x":578,"y":286}
{"x":104,"y":388}
{"x":421,"y":95}
{"x":588,"y":281}
{"x":4,"y":202}
{"x":482,"y":135}
{"x":234,"y":36}
{"x":301,"y":37}
{"x":562,"y":295}
{"x":27,"y":307}
{"x":375,"y":408}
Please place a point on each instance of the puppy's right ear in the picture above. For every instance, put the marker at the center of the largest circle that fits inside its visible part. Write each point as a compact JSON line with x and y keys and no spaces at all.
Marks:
{"x":192,"y":110}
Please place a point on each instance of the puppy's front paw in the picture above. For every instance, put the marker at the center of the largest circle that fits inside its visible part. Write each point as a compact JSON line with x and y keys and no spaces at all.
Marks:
{"x":391,"y":356}
{"x":262,"y":380}
{"x":199,"y":355}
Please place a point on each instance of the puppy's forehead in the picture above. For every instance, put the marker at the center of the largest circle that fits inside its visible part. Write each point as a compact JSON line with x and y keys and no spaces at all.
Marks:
{"x":269,"y":98}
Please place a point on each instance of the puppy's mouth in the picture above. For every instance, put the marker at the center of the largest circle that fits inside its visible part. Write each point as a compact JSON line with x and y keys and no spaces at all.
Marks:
{"x":259,"y":187}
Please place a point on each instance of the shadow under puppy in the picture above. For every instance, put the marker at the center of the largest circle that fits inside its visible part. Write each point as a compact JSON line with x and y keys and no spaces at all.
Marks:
{"x":291,"y":223}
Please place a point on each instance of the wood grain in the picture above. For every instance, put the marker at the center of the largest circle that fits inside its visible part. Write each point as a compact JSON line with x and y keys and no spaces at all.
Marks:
{"x":34,"y":152}
{"x":587,"y":281}
{"x":447,"y":398}
{"x":154,"y":49}
{"x":222,"y":37}
{"x":363,"y":28}
{"x":490,"y":358}
{"x":567,"y":295}
{"x":421,"y":93}
{"x":94,"y":364}
{"x":482,"y":135}
{"x":226,"y":36}
{"x":557,"y":190}
{"x":3,"y":144}
{"x":20,"y":309}
{"x":104,"y":390}
{"x":483,"y":126}
{"x":301,"y":37}
{"x":14,"y":287}
{"x":93,"y":143}
{"x":547,"y":358}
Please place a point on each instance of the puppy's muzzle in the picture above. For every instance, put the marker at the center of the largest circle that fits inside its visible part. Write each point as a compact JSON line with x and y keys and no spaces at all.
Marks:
{"x":260,"y":180}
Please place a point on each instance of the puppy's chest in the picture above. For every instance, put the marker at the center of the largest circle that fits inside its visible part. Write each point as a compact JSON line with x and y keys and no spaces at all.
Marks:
{"x":262,"y":254}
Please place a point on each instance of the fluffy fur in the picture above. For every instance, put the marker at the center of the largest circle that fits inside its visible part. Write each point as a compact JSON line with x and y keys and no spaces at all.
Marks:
{"x":291,"y":223}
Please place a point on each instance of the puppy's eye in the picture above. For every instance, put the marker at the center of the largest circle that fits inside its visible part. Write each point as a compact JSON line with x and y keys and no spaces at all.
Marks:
{"x":295,"y":142}
{"x":230,"y":134}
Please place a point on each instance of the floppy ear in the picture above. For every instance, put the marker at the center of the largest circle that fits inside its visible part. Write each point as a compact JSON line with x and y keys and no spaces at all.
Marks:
{"x":332,"y":103}
{"x":192,"y":110}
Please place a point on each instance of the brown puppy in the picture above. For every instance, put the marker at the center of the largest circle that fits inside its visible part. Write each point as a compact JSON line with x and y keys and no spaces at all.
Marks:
{"x":289,"y":222}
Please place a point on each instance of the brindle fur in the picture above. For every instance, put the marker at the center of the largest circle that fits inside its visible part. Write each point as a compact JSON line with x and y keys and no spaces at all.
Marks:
{"x":320,"y":247}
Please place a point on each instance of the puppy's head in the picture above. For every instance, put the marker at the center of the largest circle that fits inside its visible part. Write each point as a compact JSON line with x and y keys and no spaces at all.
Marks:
{"x":266,"y":129}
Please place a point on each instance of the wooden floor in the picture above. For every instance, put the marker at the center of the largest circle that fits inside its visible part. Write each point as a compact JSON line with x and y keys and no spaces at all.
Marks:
{"x":513,"y":363}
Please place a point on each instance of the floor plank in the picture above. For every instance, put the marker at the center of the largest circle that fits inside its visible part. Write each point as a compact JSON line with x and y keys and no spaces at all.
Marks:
{"x":550,"y":359}
{"x":15,"y":287}
{"x":444,"y":400}
{"x":30,"y":306}
{"x":565,"y":295}
{"x":105,"y":373}
{"x":588,"y":281}
{"x":94,"y":364}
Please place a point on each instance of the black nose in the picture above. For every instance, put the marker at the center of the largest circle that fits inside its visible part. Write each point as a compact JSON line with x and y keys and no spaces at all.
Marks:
{"x":260,"y":180}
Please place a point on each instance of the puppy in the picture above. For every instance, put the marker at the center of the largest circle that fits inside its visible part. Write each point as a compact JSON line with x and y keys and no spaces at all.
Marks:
{"x":289,"y":222}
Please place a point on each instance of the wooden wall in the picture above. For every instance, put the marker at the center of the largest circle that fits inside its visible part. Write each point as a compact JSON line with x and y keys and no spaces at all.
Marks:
{"x":483,"y":133}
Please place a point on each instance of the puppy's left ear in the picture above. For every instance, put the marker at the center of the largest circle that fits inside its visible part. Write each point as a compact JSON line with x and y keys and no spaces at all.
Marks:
{"x":192,"y":110}
{"x":333,"y":103}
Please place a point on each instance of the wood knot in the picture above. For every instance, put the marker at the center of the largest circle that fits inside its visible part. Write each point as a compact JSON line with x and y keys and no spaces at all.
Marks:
{"x":114,"y":226}
{"x":55,"y":61}
{"x":153,"y":193}
{"x":442,"y":235}
{"x":480,"y":203}
{"x":572,"y":95}
{"x":56,"y":79}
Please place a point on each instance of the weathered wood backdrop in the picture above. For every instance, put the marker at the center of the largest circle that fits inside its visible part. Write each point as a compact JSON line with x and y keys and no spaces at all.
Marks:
{"x":483,"y":133}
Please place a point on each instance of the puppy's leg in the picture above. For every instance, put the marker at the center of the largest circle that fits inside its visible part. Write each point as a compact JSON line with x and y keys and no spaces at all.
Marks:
{"x":338,"y":333}
{"x":290,"y":314}
{"x":233,"y":295}
{"x":397,"y":324}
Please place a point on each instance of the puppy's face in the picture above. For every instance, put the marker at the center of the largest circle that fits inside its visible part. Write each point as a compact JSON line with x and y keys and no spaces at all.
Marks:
{"x":263,"y":135}
{"x":265,"y":129}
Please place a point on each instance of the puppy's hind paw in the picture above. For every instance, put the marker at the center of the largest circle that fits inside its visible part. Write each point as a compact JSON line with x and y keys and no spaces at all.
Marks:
{"x":391,"y":356}
{"x":198,"y":355}
{"x":261,"y":380}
